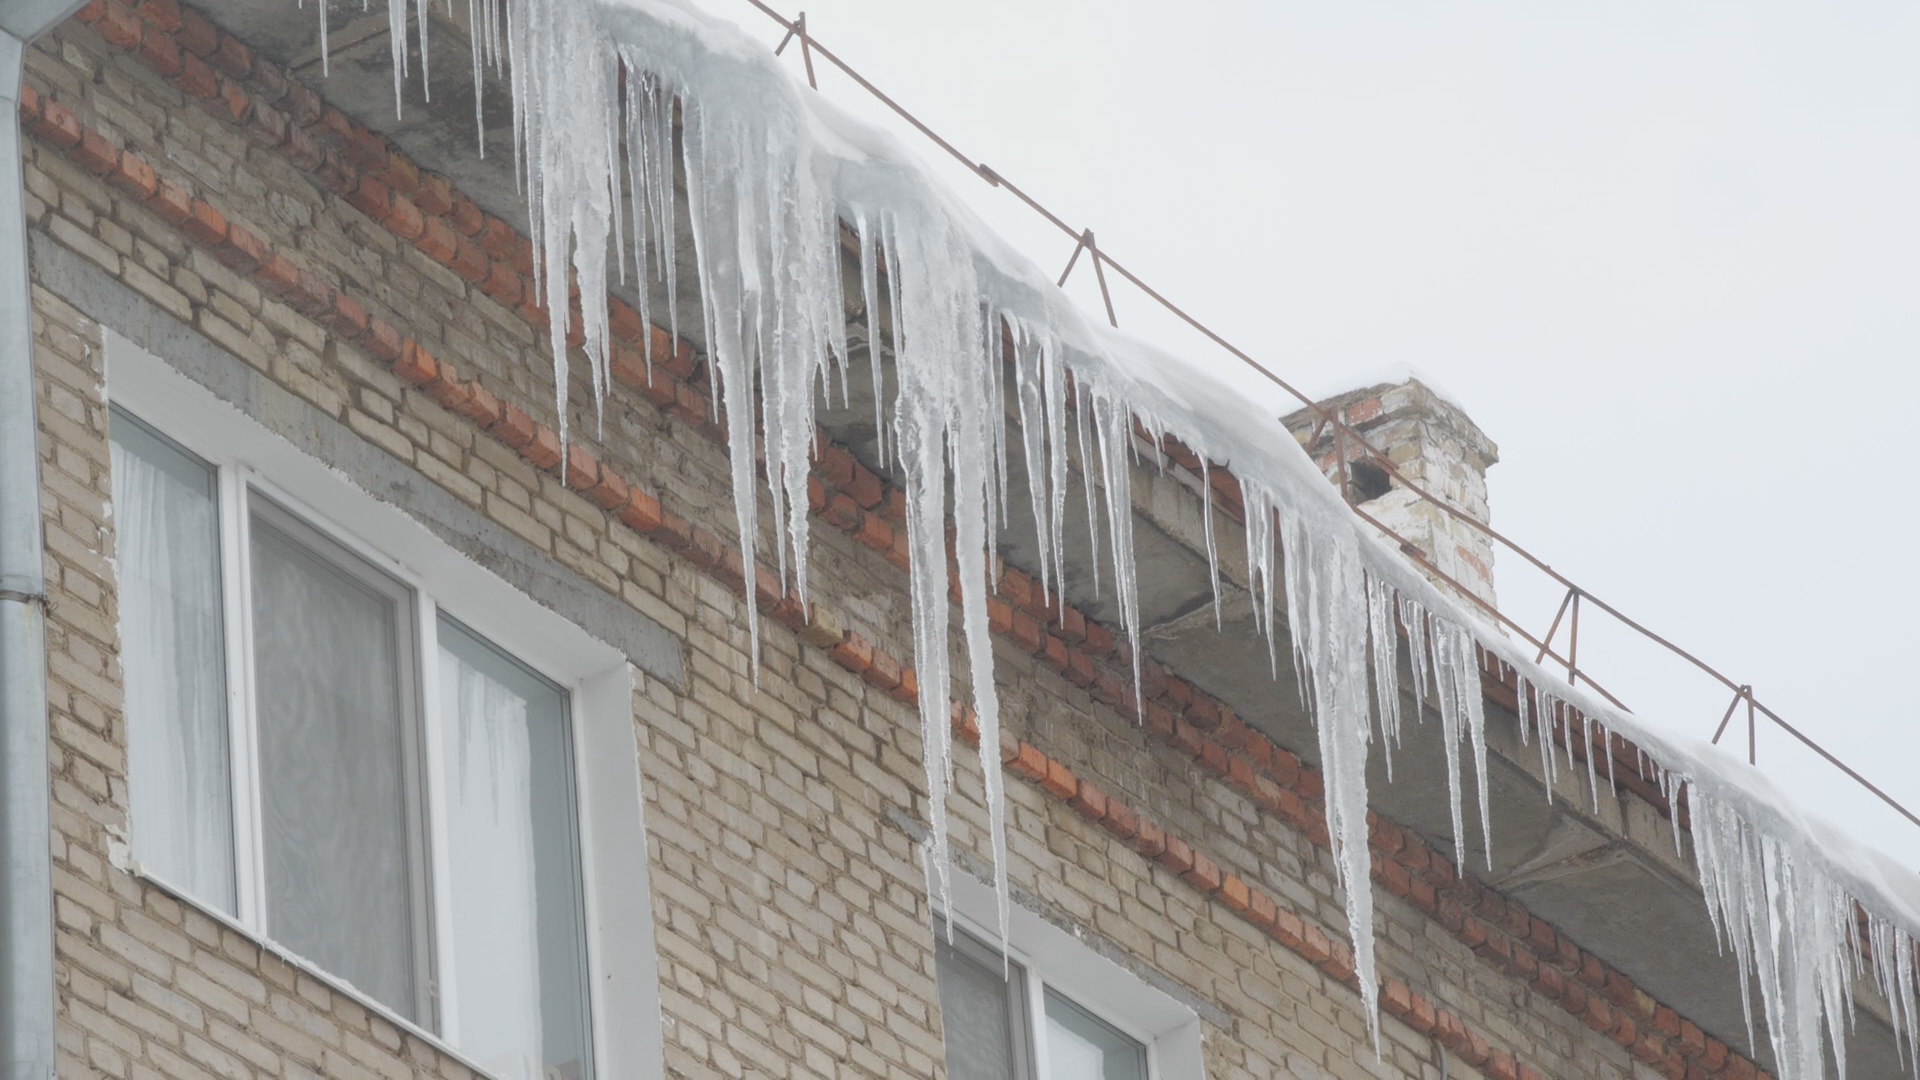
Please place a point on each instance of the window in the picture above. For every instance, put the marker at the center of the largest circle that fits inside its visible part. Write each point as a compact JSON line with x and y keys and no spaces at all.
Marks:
{"x":320,"y":752}
{"x":993,"y":1032}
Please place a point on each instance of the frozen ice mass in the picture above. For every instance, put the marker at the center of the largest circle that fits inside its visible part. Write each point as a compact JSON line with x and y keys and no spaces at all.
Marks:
{"x":773,"y":171}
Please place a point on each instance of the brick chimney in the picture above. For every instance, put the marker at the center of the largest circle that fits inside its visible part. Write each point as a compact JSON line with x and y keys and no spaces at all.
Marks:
{"x":1431,"y":441}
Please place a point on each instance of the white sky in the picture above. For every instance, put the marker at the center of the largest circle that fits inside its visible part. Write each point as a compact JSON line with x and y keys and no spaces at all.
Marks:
{"x":1667,"y":256}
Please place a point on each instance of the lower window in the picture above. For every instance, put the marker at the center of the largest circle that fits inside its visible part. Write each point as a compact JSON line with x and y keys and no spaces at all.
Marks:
{"x":322,"y":754}
{"x":1008,"y":1024}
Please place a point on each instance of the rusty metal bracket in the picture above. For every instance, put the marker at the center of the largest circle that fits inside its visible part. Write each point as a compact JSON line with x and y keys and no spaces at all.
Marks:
{"x":1092,"y":249}
{"x":798,"y":29}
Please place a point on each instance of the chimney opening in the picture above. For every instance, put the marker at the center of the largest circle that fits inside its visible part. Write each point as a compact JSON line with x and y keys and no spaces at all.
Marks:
{"x":1368,"y":481}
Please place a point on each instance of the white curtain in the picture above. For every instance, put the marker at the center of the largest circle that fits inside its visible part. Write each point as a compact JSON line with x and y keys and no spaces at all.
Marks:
{"x":172,"y":656}
{"x":490,"y":837}
{"x":333,"y":705}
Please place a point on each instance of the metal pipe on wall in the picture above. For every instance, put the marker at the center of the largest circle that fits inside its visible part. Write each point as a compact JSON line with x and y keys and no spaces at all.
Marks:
{"x":26,"y":839}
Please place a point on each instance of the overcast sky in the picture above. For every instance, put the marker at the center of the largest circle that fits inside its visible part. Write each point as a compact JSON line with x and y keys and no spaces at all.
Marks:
{"x":1666,"y":255}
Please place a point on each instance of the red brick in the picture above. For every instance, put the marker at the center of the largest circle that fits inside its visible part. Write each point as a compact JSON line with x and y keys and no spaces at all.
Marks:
{"x":1028,"y":762}
{"x":865,"y":487}
{"x":266,"y":125}
{"x":1690,"y":1041}
{"x":1177,"y":857}
{"x":435,"y":240}
{"x":311,"y":296}
{"x":135,"y":177}
{"x":304,"y":107}
{"x":1262,"y":911}
{"x":1187,"y":739}
{"x":1099,"y":640}
{"x":172,"y":202}
{"x":435,"y":195}
{"x":58,"y":125}
{"x":1024,"y":631}
{"x":1424,"y":1017}
{"x":1396,"y":997}
{"x":1120,"y":820}
{"x":885,"y":671}
{"x":642,"y":512}
{"x":416,"y":365}
{"x":370,"y":197}
{"x":514,"y":428}
{"x":1550,"y":982}
{"x":383,"y":341}
{"x":1089,"y":801}
{"x":468,"y":260}
{"x":245,"y":252}
{"x":277,"y":274}
{"x":854,"y":653}
{"x":874,"y":532}
{"x":907,"y":692}
{"x":609,"y":490}
{"x":499,"y":240}
{"x":121,"y":28}
{"x":304,"y":150}
{"x":197,"y":35}
{"x":95,"y":153}
{"x":164,"y":14}
{"x":583,"y":472}
{"x":1150,"y":839}
{"x":1624,"y":1030}
{"x":196,"y":79}
{"x":404,"y":218}
{"x":544,"y":451}
{"x":503,"y":284}
{"x":159,"y":51}
{"x":465,"y":217}
{"x":1233,"y":892}
{"x":233,"y":57}
{"x":1315,"y":945}
{"x":204,"y":225}
{"x":347,"y":318}
{"x":400,"y":173}
{"x":1079,"y":670}
{"x":674,"y":531}
{"x":1060,"y":781}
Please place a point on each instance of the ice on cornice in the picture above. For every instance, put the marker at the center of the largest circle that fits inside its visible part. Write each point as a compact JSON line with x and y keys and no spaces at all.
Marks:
{"x":772,"y":172}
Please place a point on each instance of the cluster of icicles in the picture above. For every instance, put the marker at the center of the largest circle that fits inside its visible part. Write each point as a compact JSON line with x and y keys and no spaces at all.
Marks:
{"x":974,"y":334}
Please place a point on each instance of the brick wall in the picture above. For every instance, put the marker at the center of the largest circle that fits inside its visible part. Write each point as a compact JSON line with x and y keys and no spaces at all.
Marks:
{"x":793,"y":925}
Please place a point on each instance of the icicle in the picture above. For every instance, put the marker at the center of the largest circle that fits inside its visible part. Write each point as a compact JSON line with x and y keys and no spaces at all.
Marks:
{"x":1330,"y":632}
{"x":1213,"y":549}
{"x":1112,"y":422}
{"x":326,"y":52}
{"x":1384,"y":645}
{"x":397,"y":47}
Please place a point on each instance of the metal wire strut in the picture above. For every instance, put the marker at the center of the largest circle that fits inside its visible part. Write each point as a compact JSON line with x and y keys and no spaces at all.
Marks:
{"x":1087,"y":245}
{"x":798,"y":29}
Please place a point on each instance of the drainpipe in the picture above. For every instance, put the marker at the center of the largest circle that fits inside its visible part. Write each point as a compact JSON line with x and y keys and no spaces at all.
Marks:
{"x":26,"y":835}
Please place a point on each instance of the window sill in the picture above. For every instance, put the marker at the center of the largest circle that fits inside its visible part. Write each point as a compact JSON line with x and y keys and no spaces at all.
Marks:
{"x":269,"y":948}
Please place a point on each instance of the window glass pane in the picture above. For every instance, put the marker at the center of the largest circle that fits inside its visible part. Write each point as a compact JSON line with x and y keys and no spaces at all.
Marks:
{"x":982,"y":1011}
{"x":172,"y":655}
{"x":1081,"y":1046}
{"x":519,"y":942}
{"x":332,"y":679}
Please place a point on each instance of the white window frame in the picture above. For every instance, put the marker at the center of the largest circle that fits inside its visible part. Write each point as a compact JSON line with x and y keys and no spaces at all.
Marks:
{"x":1052,"y":957}
{"x":622,"y":965}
